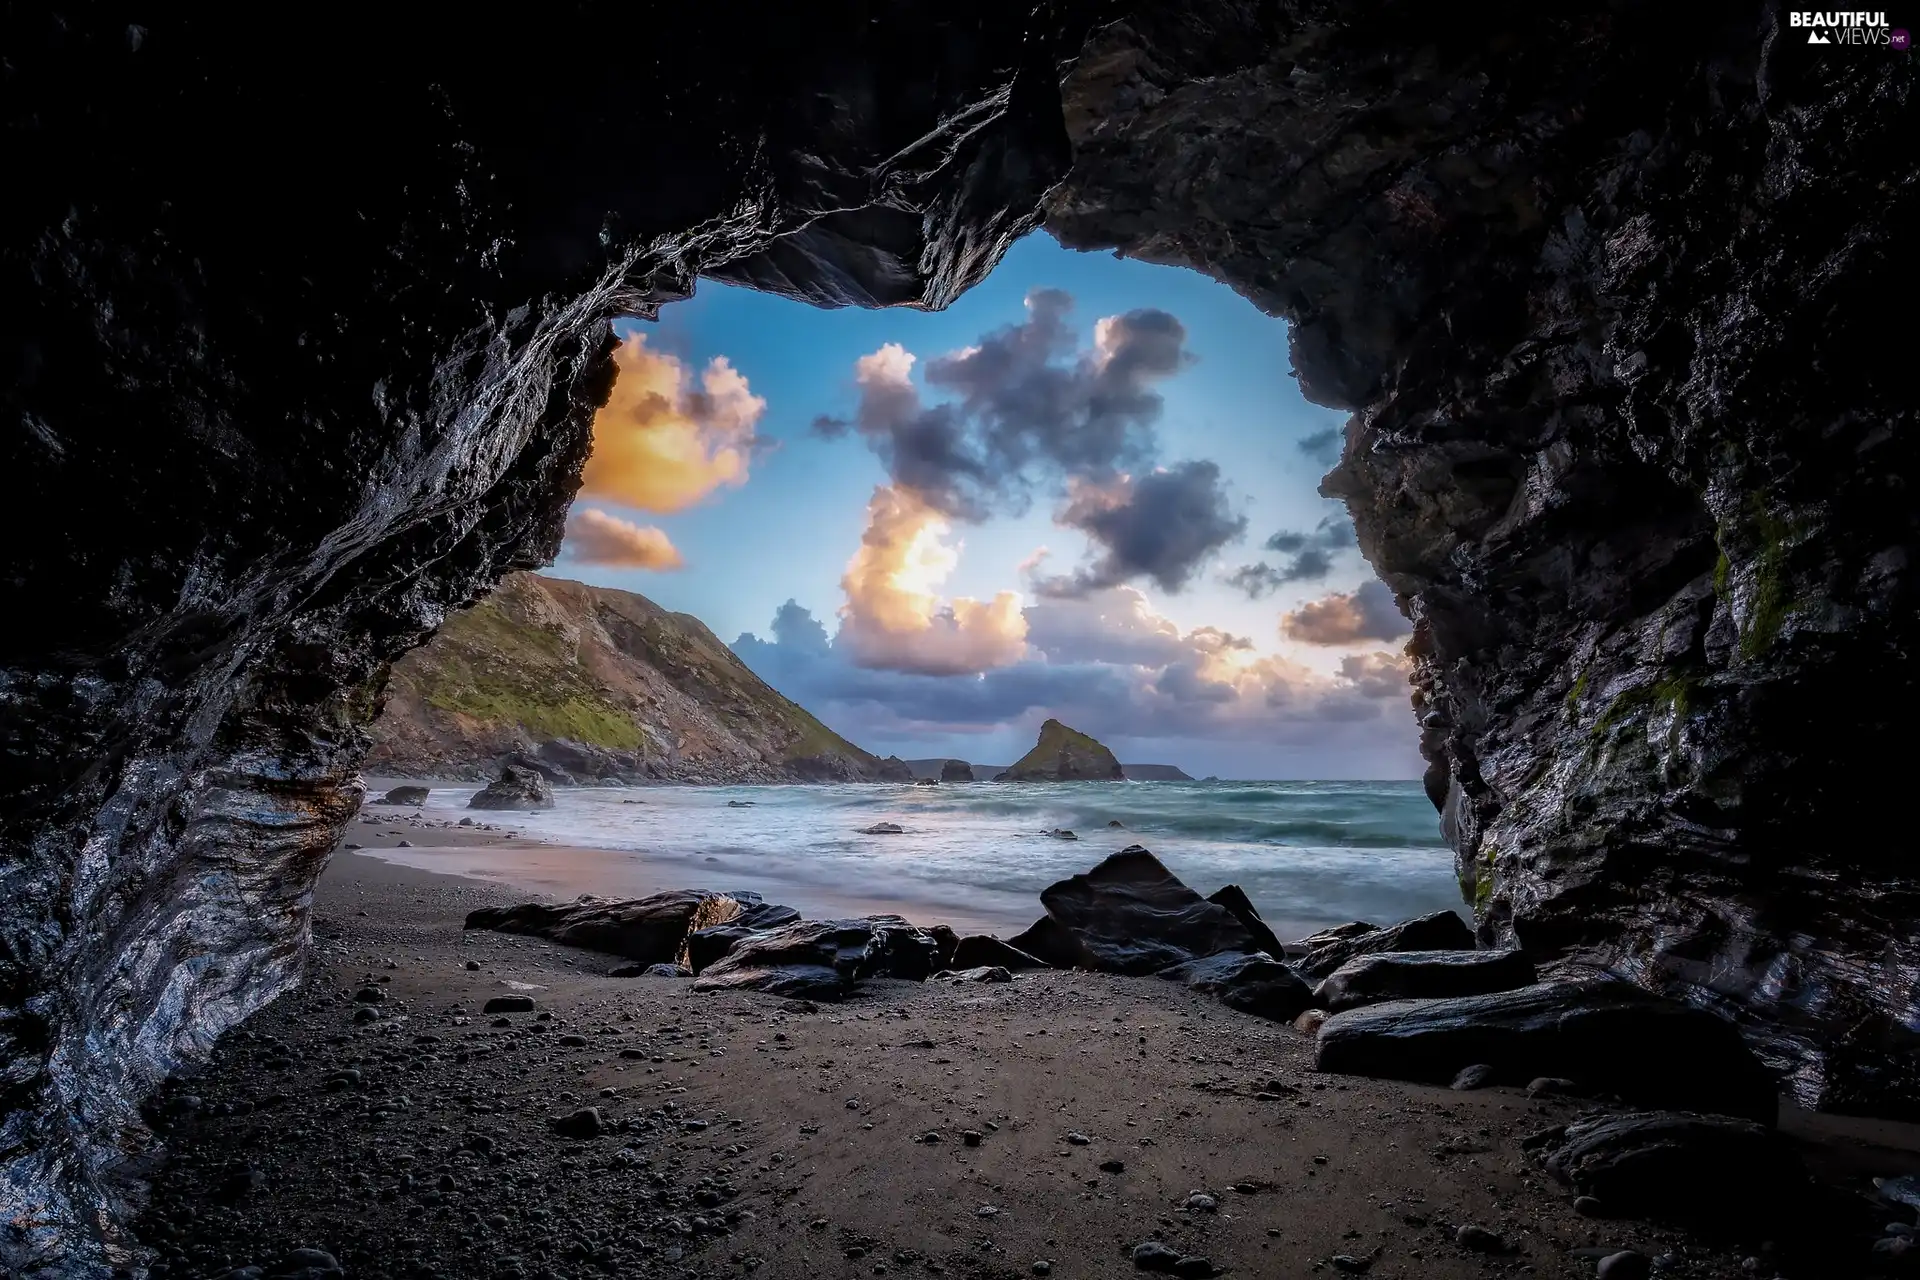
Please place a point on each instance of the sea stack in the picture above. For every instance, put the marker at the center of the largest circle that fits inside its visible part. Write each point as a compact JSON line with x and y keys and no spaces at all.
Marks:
{"x":1064,"y":755}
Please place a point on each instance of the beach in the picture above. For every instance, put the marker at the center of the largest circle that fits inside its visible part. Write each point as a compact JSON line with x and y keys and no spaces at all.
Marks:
{"x":1050,"y":1125}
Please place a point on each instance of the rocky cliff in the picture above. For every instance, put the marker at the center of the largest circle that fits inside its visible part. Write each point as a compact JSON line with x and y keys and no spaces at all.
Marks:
{"x":1604,"y":284}
{"x":589,"y":684}
{"x":1063,"y":755}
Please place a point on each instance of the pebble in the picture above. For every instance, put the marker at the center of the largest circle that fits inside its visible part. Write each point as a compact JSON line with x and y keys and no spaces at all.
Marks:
{"x":1626,"y":1265}
{"x":1042,"y":1268}
{"x":1477,"y":1076}
{"x":1350,"y":1264}
{"x":508,"y":1004}
{"x":1309,"y":1022}
{"x":584,"y":1123}
{"x":1550,"y":1087}
{"x":1113,"y":1166}
{"x":1201,"y":1202}
{"x":473,"y":966}
{"x":1079,"y":1139}
{"x":369,"y":995}
{"x":970,"y":1137}
{"x":1151,"y":1255}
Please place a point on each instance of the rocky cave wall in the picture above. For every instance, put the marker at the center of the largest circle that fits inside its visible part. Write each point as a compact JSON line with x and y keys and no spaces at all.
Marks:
{"x":308,"y":325}
{"x":1616,"y":297}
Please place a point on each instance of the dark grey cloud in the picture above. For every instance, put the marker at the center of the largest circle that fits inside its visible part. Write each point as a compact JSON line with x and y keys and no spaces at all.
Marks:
{"x":1350,"y":617}
{"x":1322,"y":446}
{"x":1309,"y":558}
{"x":797,"y":628}
{"x":1377,"y":675}
{"x":1163,"y":525}
{"x":1027,"y":405}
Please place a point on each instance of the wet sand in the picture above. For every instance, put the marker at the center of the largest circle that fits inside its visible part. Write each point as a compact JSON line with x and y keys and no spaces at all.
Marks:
{"x":747,"y":1135}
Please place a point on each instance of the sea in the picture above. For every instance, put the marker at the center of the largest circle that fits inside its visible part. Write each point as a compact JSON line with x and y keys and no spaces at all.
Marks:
{"x":1309,"y":854}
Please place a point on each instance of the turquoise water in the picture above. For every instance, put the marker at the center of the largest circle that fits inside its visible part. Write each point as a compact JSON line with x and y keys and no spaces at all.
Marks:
{"x":1309,"y":854}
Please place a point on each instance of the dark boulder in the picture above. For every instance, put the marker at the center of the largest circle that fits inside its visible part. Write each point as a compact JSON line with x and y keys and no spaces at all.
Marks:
{"x":956,"y":771}
{"x":1047,"y":941}
{"x":704,"y":946}
{"x":1235,"y":900}
{"x":1441,"y":931}
{"x":1256,"y":984}
{"x":1422,"y":975}
{"x":409,"y":795}
{"x":1131,"y":915}
{"x":883,"y":829}
{"x":1678,"y":1166}
{"x":1337,"y":933}
{"x":979,"y":949}
{"x":650,"y":930}
{"x":945,"y":943}
{"x":1609,"y":1036}
{"x":823,"y":959}
{"x":508,"y":1004}
{"x":517,"y":787}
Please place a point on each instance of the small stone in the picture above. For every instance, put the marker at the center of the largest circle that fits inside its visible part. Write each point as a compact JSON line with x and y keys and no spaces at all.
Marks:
{"x":1626,"y":1265}
{"x":987,"y":1211}
{"x":1079,"y":1139}
{"x":930,"y":1136}
{"x":1479,"y":1239}
{"x":1042,"y":1268}
{"x":1348,"y":1263}
{"x":584,"y":1123}
{"x":1308,"y":1023}
{"x":1113,"y":1166}
{"x":1194,"y":1265}
{"x":970,"y":1137}
{"x":573,"y":1041}
{"x":369,"y":995}
{"x":1200,"y":1202}
{"x":1151,"y":1255}
{"x":473,"y":966}
{"x":1589,"y":1207}
{"x":364,"y":1015}
{"x":1477,"y":1076}
{"x":508,"y":1004}
{"x":1550,"y":1087}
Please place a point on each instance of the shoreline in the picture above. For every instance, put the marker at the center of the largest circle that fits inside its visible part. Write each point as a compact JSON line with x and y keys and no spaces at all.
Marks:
{"x":407,"y":1134}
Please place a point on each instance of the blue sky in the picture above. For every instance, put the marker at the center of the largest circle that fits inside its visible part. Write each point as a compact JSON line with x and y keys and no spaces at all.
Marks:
{"x":790,"y":514}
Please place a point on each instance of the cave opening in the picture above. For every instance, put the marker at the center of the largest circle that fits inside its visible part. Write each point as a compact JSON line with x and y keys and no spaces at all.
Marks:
{"x":1600,"y":287}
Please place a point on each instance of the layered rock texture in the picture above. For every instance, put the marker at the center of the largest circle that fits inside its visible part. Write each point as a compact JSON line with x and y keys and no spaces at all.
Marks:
{"x":588,"y":684}
{"x":1607,"y":287}
{"x":1063,"y":755}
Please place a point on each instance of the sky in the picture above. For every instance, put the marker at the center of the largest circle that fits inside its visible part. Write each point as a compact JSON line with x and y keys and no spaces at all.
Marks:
{"x":1087,"y":490}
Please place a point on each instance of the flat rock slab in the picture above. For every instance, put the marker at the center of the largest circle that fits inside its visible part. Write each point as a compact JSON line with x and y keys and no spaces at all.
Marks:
{"x":978,"y":949}
{"x":1678,"y":1166}
{"x":1611,"y":1037}
{"x":1441,"y":931}
{"x":823,"y":959}
{"x":1131,"y":915}
{"x":650,"y":930}
{"x":1422,"y":975}
{"x":1252,"y":983}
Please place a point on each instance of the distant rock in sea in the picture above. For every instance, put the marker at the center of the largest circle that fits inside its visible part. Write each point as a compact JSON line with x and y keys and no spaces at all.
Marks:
{"x":1064,"y":755}
{"x":1155,"y":773}
{"x":956,"y":771}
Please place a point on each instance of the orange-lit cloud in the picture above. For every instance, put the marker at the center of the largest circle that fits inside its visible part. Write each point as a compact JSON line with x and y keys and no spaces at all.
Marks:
{"x":594,"y":537}
{"x":1364,"y":614}
{"x":664,"y":441}
{"x":894,"y":617}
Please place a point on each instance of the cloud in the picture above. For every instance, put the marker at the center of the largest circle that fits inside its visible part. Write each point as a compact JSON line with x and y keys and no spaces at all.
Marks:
{"x":894,"y":618}
{"x":1310,"y":558}
{"x":1366,"y":613}
{"x":1378,"y":675}
{"x":1322,"y":446}
{"x":665,"y":440}
{"x":1106,"y":664}
{"x":1026,"y":406}
{"x":594,"y":537}
{"x":1161,"y":526}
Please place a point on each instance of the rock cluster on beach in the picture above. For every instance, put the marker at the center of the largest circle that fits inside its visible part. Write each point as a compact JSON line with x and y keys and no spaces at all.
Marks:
{"x":517,"y":787}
